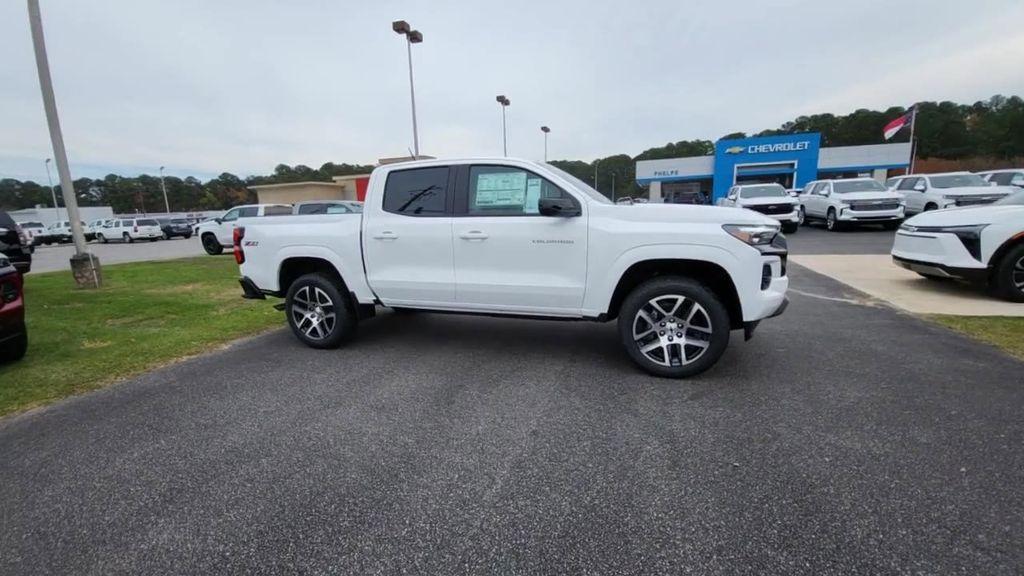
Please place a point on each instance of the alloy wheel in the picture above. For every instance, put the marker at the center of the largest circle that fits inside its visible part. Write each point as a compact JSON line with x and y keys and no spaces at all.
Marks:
{"x":672,"y":330}
{"x":313,"y":312}
{"x":830,"y":220}
{"x":801,"y":216}
{"x":1017,"y":276}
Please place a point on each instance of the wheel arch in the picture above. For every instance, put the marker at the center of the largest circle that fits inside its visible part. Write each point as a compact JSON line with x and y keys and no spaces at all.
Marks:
{"x":709,"y":273}
{"x":293,"y":267}
{"x":1010,"y":243}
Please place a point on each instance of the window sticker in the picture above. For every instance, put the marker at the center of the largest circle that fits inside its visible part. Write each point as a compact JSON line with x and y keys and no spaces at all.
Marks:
{"x":501,"y":190}
{"x":532,"y":196}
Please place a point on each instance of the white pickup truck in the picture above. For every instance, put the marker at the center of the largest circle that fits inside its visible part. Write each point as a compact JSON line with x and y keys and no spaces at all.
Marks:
{"x":519,"y":238}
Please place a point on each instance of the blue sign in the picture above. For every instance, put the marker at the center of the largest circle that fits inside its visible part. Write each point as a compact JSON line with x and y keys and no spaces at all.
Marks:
{"x":795,"y":154}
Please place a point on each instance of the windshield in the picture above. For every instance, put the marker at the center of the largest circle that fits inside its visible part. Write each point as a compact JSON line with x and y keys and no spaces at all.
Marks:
{"x":957,"y":181}
{"x":842,"y":187}
{"x":766,"y":191}
{"x":580,"y":184}
{"x":1015,"y":199}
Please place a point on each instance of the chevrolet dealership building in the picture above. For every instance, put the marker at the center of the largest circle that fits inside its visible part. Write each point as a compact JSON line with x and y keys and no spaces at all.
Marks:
{"x":792,"y":160}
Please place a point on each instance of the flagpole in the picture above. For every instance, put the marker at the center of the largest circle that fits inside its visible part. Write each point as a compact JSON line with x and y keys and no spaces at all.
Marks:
{"x":913,"y":142}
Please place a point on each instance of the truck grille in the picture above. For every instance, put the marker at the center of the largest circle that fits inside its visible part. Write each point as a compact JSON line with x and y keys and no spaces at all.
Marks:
{"x":975,"y":200}
{"x":886,"y":205}
{"x":772,"y":208}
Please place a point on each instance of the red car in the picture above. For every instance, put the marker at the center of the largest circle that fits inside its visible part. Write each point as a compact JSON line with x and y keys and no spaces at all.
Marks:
{"x":13,"y":335}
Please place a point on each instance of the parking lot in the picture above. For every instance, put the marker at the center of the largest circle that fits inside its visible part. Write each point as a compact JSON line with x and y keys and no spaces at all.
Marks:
{"x":56,"y":256}
{"x":846,"y":437}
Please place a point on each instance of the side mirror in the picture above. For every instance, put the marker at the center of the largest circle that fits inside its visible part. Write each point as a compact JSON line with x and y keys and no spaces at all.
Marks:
{"x":557,"y":207}
{"x":919,"y":187}
{"x":218,"y":220}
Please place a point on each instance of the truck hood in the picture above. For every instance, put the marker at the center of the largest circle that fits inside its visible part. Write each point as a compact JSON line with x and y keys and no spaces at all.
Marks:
{"x":860,"y":196}
{"x":684,"y":213}
{"x":968,"y":215}
{"x":976,"y":191}
{"x":768,"y":201}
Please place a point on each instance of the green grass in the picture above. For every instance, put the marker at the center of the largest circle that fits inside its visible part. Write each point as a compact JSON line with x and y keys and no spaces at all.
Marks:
{"x":1006,"y":332}
{"x":147,"y":314}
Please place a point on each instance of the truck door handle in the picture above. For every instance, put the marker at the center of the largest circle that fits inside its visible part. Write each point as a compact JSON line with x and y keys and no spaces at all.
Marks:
{"x":386,"y":235}
{"x":473,"y":235}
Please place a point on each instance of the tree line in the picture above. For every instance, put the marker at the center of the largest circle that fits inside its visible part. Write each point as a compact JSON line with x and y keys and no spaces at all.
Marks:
{"x":992,"y":129}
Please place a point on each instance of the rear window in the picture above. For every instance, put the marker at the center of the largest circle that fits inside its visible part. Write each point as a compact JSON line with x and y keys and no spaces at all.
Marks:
{"x":147,"y":223}
{"x":417,"y":191}
{"x":276,"y":211}
{"x":320,"y":208}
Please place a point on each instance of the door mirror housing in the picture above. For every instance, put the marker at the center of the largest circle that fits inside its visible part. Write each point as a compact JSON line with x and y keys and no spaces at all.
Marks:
{"x":563,"y":207}
{"x":218,"y":220}
{"x":919,"y":187}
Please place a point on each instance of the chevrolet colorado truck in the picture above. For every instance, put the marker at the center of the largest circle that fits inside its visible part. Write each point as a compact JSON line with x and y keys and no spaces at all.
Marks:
{"x":500,"y":236}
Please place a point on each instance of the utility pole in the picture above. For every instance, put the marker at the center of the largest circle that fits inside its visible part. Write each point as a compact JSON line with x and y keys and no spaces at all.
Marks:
{"x":53,"y":191}
{"x":545,"y":130}
{"x":411,"y":37}
{"x":596,"y":162}
{"x":167,"y":206}
{"x":504,"y":139}
{"x":84,"y":266}
{"x":613,"y":186}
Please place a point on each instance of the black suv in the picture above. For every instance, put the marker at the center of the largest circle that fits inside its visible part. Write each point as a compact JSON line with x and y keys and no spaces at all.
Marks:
{"x":176,"y":227}
{"x":14,"y":244}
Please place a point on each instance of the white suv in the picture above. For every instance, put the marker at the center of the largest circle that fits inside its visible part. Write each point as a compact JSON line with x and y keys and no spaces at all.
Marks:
{"x":216,"y":233}
{"x":1008,"y":177}
{"x":130,"y":230}
{"x":924,"y":192}
{"x":982,"y":244}
{"x":841,"y":203}
{"x":772,"y":200}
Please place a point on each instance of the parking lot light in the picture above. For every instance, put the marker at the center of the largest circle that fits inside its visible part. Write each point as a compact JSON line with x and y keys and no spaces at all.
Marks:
{"x":501,"y":99}
{"x":411,"y":37}
{"x":545,"y":130}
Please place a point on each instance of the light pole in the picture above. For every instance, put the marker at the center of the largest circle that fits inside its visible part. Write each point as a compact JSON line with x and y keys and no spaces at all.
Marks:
{"x":596,"y":162}
{"x":545,"y":130}
{"x":53,"y":191}
{"x":164,"y":189}
{"x":613,"y":185}
{"x":411,"y":37}
{"x":504,"y":104}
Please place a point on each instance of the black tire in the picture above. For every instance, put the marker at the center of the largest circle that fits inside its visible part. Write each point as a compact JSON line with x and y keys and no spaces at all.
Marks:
{"x":101,"y":238}
{"x":187,"y":236}
{"x":929,"y":207}
{"x":790,"y":227}
{"x":1008,"y":276}
{"x":322,"y":292}
{"x":832,"y":223}
{"x":127,"y":238}
{"x":668,"y":361}
{"x":15,"y":348}
{"x":803,"y":217}
{"x":211,"y":244}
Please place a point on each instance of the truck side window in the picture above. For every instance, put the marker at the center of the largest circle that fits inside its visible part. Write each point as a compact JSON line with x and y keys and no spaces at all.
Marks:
{"x":277,"y":211}
{"x":249,"y":212}
{"x":230,"y":215}
{"x":508,"y":191}
{"x":417,"y":191}
{"x":907,"y":184}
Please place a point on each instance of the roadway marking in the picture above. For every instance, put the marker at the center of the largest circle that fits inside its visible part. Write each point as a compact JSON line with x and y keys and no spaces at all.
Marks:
{"x":829,"y":298}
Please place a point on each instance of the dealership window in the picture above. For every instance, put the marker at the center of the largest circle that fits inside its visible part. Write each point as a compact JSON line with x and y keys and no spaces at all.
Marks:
{"x":417,"y":192}
{"x":506,"y":191}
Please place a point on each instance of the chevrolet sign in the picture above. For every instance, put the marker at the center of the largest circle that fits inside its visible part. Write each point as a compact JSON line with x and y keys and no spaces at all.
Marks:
{"x":777,"y":147}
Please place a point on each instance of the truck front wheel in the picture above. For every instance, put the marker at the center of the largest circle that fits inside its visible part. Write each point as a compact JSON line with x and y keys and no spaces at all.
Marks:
{"x":674,"y":327}
{"x":318,"y":313}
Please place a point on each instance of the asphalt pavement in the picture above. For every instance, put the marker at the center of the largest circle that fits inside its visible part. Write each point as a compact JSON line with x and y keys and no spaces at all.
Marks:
{"x":58,"y":256}
{"x":815,"y":239}
{"x":845,"y":438}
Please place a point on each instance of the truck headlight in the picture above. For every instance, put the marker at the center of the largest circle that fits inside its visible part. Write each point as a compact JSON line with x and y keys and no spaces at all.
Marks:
{"x":753,"y":234}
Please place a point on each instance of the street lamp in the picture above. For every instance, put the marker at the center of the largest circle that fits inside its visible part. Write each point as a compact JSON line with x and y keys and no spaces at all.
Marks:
{"x":545,"y":130}
{"x":504,"y":104}
{"x":53,"y":191}
{"x":164,"y":189}
{"x":411,"y":37}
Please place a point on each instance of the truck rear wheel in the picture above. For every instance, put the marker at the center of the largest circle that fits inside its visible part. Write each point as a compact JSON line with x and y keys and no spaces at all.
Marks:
{"x":211,"y":244}
{"x":1008,"y":276}
{"x":674,"y":327}
{"x":318,"y":313}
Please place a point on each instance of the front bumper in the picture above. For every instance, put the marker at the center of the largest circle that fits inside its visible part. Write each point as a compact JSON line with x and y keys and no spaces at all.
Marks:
{"x":974,"y":275}
{"x":848,"y":215}
{"x":793,"y":217}
{"x":936,"y":249}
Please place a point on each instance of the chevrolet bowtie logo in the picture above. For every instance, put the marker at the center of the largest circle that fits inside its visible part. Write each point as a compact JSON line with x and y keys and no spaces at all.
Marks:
{"x":734,"y":150}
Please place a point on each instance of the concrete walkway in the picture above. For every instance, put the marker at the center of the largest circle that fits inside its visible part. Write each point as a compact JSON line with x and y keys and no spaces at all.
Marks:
{"x":877,"y":276}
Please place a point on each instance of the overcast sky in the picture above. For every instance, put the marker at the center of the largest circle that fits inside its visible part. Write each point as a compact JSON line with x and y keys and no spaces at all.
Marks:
{"x":206,"y":86}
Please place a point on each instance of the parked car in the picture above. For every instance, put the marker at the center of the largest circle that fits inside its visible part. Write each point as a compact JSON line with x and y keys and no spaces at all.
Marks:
{"x":923,"y":192}
{"x":216,"y":233}
{"x":59,"y":232}
{"x":13,"y":334}
{"x":1008,"y":177}
{"x":129,"y":230}
{"x":519,"y":238}
{"x":15,"y":244}
{"x":35,"y":231}
{"x":175,"y":227}
{"x":328,"y":207}
{"x":769,"y":199}
{"x":851,"y":202}
{"x":982,"y":244}
{"x":93,"y":228}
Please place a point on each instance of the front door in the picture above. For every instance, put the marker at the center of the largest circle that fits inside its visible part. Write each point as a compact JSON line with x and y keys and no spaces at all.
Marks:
{"x":407,"y":240}
{"x":510,"y":258}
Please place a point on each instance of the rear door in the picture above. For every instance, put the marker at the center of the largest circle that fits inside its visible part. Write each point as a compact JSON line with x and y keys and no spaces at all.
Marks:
{"x":510,"y":258}
{"x":913,"y":198}
{"x":407,"y":239}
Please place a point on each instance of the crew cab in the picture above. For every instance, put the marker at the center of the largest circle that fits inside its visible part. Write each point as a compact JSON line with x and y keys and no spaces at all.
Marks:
{"x":769,"y":199}
{"x":980,"y":244}
{"x":924,"y":192}
{"x":215,"y":234}
{"x":851,"y":201}
{"x":519,"y":238}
